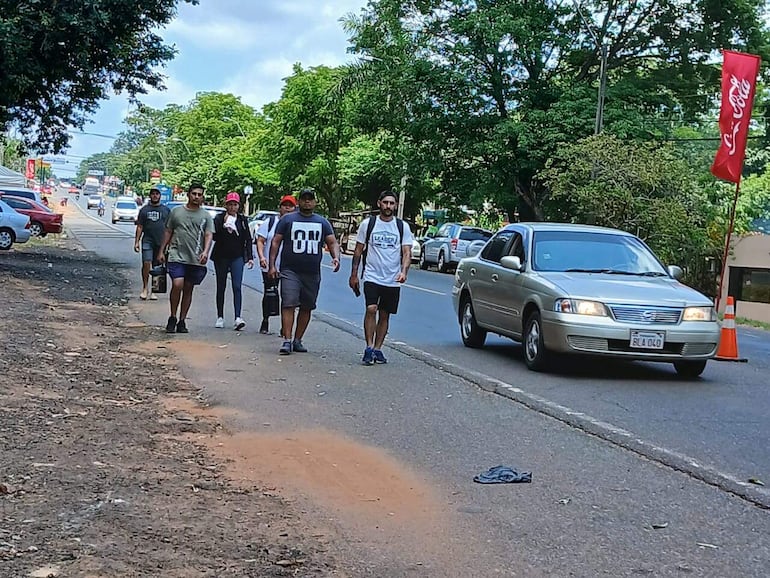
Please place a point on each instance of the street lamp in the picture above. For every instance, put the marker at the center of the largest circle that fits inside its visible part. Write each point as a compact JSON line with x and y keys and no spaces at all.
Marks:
{"x":235,"y":120}
{"x":181,"y":140}
{"x":603,"y":51}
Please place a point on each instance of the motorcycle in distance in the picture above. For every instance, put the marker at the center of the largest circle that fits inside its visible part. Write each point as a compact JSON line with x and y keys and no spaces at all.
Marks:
{"x":100,"y":210}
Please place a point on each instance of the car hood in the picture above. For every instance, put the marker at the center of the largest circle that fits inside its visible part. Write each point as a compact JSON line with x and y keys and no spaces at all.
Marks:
{"x":627,"y":289}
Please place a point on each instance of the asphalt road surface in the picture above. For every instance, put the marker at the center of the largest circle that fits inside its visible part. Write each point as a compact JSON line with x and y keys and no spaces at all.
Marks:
{"x":715,"y":426}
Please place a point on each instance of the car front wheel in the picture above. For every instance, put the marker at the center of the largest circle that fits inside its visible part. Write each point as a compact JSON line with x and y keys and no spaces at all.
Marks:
{"x":6,"y":239}
{"x":690,"y":369}
{"x":442,"y":262}
{"x":423,"y":262}
{"x":535,"y":353}
{"x":473,"y":335}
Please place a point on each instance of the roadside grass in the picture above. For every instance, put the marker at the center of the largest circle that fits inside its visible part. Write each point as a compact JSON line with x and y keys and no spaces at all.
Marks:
{"x":752,"y":323}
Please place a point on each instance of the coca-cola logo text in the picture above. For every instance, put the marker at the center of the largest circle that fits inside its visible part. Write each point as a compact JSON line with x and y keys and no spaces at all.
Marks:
{"x":738,"y":97}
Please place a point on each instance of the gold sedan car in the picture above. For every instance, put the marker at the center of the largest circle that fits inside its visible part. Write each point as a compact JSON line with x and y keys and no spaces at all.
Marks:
{"x":577,"y":289}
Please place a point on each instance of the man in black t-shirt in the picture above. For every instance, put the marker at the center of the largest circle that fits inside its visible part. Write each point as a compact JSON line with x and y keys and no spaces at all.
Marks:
{"x":300,"y":237}
{"x":150,"y":228}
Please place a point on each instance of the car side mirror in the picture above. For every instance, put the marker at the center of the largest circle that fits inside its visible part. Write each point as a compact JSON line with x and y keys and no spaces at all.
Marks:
{"x":511,"y":262}
{"x":474,"y":248}
{"x":675,"y":271}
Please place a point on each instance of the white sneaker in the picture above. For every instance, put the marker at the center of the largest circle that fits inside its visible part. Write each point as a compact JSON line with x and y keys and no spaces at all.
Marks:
{"x":220,"y":323}
{"x":239,"y":324}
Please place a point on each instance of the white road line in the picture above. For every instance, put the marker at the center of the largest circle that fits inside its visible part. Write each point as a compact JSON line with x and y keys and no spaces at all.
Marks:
{"x":423,"y":289}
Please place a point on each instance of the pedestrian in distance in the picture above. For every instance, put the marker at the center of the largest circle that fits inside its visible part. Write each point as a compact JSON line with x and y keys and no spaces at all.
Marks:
{"x":384,"y":253}
{"x":305,"y":234}
{"x":150,"y":228}
{"x":233,"y":248}
{"x":265,"y":235}
{"x":188,"y":235}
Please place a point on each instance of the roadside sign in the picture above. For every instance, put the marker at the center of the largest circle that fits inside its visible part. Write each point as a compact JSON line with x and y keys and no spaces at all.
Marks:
{"x":30,"y":169}
{"x":248,"y":190}
{"x":95,"y":173}
{"x":165,"y":193}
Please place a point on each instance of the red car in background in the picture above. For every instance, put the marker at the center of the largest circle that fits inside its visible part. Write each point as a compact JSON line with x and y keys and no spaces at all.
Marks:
{"x":42,"y":220}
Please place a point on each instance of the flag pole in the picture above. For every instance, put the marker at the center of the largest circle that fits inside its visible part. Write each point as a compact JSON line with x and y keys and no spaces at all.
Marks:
{"x":730,"y":228}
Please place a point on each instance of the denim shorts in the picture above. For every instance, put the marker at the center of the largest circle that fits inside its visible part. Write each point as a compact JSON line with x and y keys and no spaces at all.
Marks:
{"x":191,"y":273}
{"x":299,"y":289}
{"x":149,"y":251}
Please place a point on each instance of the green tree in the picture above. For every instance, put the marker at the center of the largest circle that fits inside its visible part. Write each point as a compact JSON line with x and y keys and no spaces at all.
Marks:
{"x":59,"y":59}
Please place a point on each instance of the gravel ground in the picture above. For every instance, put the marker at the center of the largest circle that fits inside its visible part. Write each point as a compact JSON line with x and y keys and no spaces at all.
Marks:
{"x":100,"y":474}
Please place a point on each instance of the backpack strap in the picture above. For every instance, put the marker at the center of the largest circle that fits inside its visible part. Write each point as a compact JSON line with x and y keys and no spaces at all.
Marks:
{"x":370,"y":228}
{"x":270,"y":223}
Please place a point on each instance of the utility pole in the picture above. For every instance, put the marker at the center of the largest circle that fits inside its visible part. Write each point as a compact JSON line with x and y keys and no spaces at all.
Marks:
{"x":603,"y":52}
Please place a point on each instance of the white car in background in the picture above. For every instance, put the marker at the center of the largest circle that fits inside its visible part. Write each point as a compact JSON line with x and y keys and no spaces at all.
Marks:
{"x":125,"y":210}
{"x":258,"y":218}
{"x":14,"y":227}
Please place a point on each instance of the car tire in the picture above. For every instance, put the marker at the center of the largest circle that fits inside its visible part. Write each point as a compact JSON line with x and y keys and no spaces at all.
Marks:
{"x":114,"y":221}
{"x":36,"y":229}
{"x":473,"y":335}
{"x":535,"y":352}
{"x":423,"y":262}
{"x":441,"y":264}
{"x":690,"y":369}
{"x":6,"y":239}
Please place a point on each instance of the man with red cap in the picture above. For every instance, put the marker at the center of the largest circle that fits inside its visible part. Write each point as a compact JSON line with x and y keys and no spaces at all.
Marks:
{"x":265,"y":234}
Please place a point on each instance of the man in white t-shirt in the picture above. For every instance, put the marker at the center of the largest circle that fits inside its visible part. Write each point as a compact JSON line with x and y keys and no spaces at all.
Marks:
{"x":265,"y":234}
{"x":384,"y":248}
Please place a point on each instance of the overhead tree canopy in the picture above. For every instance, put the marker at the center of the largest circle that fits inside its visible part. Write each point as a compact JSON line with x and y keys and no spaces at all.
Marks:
{"x":59,"y":59}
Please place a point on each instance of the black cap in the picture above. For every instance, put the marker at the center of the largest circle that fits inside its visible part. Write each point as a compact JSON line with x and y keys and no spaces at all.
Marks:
{"x":156,"y":189}
{"x":307,"y":193}
{"x":385,"y":194}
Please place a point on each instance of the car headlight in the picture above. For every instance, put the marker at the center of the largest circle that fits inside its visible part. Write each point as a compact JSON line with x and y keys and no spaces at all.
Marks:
{"x":581,"y":307}
{"x":699,"y":314}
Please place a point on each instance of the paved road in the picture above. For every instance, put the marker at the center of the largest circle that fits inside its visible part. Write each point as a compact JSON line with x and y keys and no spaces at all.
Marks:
{"x":718,"y":422}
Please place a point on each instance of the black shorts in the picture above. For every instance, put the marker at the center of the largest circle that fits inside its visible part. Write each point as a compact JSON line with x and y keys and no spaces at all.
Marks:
{"x":385,"y":298}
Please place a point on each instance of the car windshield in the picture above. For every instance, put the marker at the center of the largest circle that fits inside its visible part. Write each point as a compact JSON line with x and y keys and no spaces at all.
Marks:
{"x":592,"y":252}
{"x":125,"y":205}
{"x":95,"y":198}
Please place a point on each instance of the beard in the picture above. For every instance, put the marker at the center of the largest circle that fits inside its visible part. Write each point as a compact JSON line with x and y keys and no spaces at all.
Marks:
{"x":387,"y":212}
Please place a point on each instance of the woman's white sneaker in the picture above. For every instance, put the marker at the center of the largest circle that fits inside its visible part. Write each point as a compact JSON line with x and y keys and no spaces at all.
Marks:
{"x":239,"y":324}
{"x":220,"y":323}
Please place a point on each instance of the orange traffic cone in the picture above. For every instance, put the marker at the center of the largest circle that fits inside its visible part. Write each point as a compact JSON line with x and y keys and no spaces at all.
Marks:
{"x":728,"y":340}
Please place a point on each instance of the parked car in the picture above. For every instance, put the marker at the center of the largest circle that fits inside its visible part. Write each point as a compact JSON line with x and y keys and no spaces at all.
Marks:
{"x":125,"y":210}
{"x":214,"y":211}
{"x":257,"y":219}
{"x":14,"y":227}
{"x":449,"y":245}
{"x":42,"y":220}
{"x":23,"y":193}
{"x":93,"y":201}
{"x":577,"y":289}
{"x":416,"y":249}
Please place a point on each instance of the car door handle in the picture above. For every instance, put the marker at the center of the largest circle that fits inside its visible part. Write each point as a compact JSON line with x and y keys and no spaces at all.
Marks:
{"x":473,"y":271}
{"x":495,"y":277}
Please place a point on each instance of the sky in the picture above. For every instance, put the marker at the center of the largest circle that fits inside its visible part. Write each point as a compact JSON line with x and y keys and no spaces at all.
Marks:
{"x":243,"y":47}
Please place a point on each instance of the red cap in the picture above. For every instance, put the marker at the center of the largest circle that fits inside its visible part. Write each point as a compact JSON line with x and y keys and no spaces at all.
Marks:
{"x":232,"y":196}
{"x":288,"y":199}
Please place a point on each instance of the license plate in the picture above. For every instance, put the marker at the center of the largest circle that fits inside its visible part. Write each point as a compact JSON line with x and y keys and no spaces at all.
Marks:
{"x":647,"y":339}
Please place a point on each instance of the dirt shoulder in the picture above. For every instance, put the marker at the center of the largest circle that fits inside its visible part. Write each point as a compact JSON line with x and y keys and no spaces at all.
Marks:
{"x":99,"y":471}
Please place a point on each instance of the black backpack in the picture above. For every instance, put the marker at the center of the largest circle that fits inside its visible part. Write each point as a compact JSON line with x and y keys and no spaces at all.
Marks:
{"x":370,"y":228}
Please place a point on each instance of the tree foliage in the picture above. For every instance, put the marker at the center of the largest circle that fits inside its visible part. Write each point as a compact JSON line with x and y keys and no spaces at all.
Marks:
{"x":59,"y":59}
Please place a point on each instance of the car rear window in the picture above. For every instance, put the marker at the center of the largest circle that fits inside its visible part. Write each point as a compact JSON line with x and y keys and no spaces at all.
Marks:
{"x":475,"y":235}
{"x":125,"y":205}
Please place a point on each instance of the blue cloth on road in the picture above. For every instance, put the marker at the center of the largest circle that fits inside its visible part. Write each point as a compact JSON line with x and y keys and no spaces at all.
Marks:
{"x":503,"y":475}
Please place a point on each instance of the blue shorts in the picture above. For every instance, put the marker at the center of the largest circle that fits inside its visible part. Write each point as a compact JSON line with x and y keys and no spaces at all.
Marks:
{"x":191,"y":273}
{"x":149,"y":251}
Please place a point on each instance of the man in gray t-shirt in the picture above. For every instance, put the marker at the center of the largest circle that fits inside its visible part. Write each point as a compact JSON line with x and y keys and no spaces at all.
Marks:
{"x":150,"y":228}
{"x":303,"y":235}
{"x":188,"y":236}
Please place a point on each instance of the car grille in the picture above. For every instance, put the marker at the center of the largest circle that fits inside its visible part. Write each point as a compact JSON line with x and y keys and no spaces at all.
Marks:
{"x":698,"y":348}
{"x":646,"y":315}
{"x":587,"y":343}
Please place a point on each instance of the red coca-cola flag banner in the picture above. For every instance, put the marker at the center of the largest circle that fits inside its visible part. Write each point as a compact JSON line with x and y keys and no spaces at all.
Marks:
{"x":30,"y":169}
{"x":739,"y":80}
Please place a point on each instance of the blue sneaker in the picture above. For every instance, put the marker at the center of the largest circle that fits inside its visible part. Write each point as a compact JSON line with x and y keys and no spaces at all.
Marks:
{"x":368,"y":356}
{"x":378,"y":356}
{"x":285,"y":348}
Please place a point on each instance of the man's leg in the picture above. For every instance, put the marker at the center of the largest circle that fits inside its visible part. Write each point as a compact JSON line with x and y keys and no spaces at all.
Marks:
{"x":145,"y":278}
{"x":303,"y":319}
{"x":287,"y":322}
{"x":187,"y":293}
{"x":176,"y":294}
{"x":382,"y":329}
{"x":370,"y":324}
